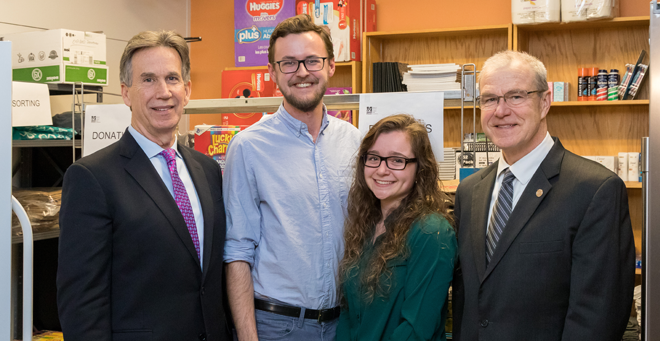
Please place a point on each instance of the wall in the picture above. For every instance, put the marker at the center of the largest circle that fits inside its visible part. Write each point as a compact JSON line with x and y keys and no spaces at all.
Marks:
{"x":214,"y":21}
{"x":118,"y":19}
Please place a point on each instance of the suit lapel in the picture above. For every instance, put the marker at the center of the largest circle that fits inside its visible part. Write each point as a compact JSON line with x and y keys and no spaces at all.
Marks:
{"x":205,"y":198}
{"x":142,"y":170}
{"x":528,"y":203}
{"x":479,"y":217}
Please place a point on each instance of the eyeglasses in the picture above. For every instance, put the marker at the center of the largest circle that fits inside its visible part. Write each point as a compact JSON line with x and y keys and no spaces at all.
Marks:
{"x":311,"y":64}
{"x":392,"y":162}
{"x":512,"y":98}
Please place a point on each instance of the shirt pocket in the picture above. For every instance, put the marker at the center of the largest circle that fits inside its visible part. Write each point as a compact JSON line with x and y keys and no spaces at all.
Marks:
{"x":542,"y":247}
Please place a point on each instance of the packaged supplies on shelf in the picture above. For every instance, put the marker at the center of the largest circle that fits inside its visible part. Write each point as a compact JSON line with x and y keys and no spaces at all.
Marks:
{"x":560,"y":91}
{"x":582,"y":10}
{"x":42,"y":206}
{"x":345,"y":115}
{"x":388,"y":77}
{"x":48,"y":336}
{"x":42,"y":133}
{"x":246,"y":84}
{"x":447,"y":167}
{"x":254,"y":22}
{"x":634,"y":169}
{"x":535,"y":11}
{"x":433,"y":77}
{"x":344,"y":19}
{"x":609,"y":162}
{"x":212,"y":141}
{"x":622,"y":171}
{"x":59,"y":56}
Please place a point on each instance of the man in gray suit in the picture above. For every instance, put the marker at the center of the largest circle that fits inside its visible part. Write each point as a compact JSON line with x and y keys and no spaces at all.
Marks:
{"x":545,"y":242}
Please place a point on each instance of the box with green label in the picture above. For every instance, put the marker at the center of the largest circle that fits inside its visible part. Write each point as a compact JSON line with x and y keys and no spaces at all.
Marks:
{"x":59,"y":56}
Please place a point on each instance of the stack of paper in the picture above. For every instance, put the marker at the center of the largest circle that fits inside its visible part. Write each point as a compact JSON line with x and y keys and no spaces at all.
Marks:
{"x":433,"y":77}
{"x":448,"y":166}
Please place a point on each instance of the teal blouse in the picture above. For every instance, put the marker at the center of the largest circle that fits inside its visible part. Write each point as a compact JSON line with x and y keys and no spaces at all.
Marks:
{"x":415,"y":307}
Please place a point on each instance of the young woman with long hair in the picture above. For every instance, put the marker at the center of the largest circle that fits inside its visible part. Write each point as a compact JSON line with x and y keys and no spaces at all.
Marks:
{"x":400,"y":246}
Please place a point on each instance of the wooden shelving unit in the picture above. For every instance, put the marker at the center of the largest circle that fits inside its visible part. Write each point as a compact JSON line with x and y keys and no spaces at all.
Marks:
{"x":594,"y":128}
{"x":585,"y":128}
{"x":455,"y":45}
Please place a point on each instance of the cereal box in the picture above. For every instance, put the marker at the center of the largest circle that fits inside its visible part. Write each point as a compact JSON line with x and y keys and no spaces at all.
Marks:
{"x":254,"y":21}
{"x":346,"y":115}
{"x":246,"y":84}
{"x":212,"y":141}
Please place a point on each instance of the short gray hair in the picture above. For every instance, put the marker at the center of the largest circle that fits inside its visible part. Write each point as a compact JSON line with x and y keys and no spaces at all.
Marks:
{"x":149,"y":39}
{"x":506,"y":58}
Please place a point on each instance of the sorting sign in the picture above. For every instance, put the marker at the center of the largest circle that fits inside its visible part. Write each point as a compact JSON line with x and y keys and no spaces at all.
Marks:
{"x":30,"y":104}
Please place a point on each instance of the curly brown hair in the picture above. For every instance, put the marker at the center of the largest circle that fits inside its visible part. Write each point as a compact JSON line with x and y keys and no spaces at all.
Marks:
{"x":364,"y":210}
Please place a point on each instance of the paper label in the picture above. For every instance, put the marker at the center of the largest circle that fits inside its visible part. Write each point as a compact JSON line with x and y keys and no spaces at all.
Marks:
{"x":105,"y":124}
{"x":30,"y":105}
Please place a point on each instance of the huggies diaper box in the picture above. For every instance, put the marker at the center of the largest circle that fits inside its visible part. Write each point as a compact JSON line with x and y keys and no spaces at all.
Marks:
{"x":254,"y":21}
{"x":59,"y":56}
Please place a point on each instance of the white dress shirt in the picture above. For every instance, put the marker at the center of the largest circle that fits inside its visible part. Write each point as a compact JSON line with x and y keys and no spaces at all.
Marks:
{"x":523,"y":170}
{"x":160,"y":164}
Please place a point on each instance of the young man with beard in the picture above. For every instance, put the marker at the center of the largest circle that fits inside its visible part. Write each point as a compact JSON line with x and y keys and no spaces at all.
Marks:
{"x":285,"y":189}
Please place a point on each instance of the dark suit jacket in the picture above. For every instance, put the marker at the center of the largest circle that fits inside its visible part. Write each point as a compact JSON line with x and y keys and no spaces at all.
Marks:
{"x":564,"y":266}
{"x":128,"y":269}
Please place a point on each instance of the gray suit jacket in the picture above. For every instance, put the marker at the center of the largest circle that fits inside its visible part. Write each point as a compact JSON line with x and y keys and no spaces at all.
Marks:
{"x":564,"y":266}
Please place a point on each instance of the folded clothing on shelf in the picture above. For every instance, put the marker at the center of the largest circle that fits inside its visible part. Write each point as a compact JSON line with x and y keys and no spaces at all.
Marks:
{"x":42,"y":133}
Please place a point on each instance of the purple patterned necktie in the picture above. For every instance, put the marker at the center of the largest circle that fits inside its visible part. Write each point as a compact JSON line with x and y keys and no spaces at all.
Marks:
{"x":181,"y":196}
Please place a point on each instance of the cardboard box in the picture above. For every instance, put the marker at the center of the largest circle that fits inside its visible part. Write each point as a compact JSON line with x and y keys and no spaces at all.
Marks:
{"x":623,"y":166}
{"x":254,"y":22}
{"x":246,"y":84}
{"x":609,"y":162}
{"x":59,"y":56}
{"x":345,"y":115}
{"x":212,"y":141}
{"x":633,"y":167}
{"x":560,"y":91}
{"x":344,"y":19}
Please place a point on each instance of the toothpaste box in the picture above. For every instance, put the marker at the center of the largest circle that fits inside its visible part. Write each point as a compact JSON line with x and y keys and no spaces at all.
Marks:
{"x":59,"y":56}
{"x":344,"y":19}
{"x":246,"y":84}
{"x":345,"y":115}
{"x":212,"y":141}
{"x":254,"y":22}
{"x":560,"y":91}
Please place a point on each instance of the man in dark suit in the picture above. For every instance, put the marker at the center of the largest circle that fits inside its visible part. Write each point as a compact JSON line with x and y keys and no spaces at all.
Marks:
{"x":143,"y":221}
{"x":545,"y":242}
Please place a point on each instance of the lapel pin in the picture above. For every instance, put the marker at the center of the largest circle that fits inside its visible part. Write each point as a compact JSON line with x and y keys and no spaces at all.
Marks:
{"x":539,"y":193}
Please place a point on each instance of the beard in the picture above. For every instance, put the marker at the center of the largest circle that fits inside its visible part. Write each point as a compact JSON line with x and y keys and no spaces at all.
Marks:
{"x":304,"y":104}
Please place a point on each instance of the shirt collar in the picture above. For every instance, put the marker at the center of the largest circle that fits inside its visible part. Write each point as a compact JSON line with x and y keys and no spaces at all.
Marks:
{"x":149,"y":147}
{"x":525,"y":168}
{"x":297,"y":126}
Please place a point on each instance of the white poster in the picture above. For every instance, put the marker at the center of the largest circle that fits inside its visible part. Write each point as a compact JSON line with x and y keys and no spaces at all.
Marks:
{"x":425,"y":106}
{"x":104,"y":125}
{"x":30,"y":105}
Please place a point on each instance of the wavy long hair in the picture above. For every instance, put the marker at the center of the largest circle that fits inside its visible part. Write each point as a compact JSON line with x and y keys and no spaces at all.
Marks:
{"x":364,"y":210}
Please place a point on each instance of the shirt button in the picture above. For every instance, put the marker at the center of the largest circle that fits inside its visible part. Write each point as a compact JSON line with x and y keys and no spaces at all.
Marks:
{"x":320,"y":176}
{"x":484,"y":323}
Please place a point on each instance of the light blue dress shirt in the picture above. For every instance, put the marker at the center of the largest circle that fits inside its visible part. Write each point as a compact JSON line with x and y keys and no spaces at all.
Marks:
{"x":160,"y":164}
{"x":285,"y":198}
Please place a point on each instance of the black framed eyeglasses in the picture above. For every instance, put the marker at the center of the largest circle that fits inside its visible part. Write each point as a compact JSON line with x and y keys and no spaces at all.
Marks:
{"x":392,"y":162}
{"x":311,"y":64}
{"x":513,"y":98}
